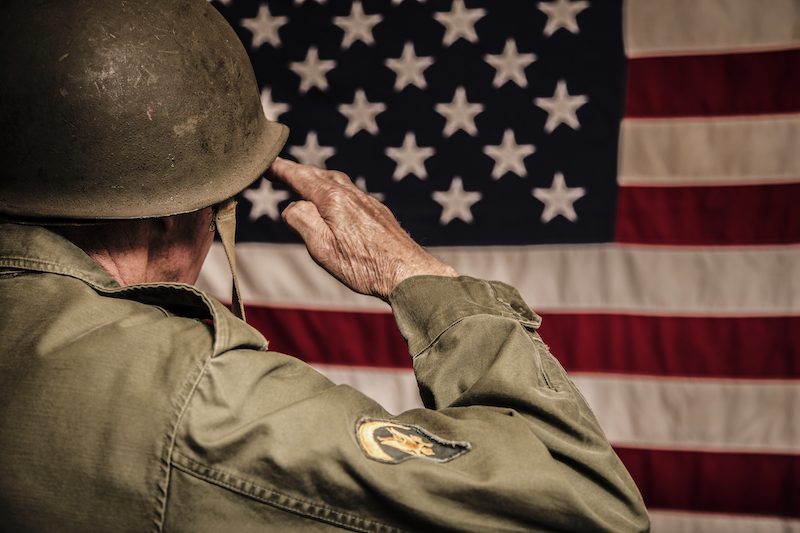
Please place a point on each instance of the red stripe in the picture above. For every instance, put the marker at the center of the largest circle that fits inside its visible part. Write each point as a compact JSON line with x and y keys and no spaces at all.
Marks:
{"x":758,"y":484}
{"x":332,"y":337}
{"x":734,"y":215}
{"x":753,"y":347}
{"x":714,"y":85}
{"x":757,"y":348}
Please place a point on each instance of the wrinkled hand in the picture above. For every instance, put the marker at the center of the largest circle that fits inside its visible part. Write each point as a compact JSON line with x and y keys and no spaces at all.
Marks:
{"x":349,"y":233}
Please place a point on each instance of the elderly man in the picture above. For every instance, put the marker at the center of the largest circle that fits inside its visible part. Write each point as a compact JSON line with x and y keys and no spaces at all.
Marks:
{"x":132,"y":401}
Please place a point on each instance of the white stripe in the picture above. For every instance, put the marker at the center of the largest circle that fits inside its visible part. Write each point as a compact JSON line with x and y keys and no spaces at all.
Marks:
{"x":680,"y":522}
{"x":680,"y":27}
{"x":280,"y":275}
{"x":395,"y":389}
{"x":640,"y":412}
{"x":710,"y":151}
{"x":603,"y":278}
{"x":696,"y":414}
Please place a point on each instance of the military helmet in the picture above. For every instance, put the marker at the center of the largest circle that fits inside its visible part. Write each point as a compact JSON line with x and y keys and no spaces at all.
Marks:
{"x":115,"y":109}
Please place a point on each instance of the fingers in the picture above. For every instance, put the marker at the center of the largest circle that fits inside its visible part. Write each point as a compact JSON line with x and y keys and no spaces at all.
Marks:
{"x":309,"y":182}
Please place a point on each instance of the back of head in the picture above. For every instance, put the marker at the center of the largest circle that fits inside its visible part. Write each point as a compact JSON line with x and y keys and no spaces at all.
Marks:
{"x":119,"y":110}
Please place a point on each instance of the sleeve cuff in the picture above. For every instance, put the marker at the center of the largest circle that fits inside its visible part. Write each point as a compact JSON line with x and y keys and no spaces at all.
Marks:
{"x":426,"y":306}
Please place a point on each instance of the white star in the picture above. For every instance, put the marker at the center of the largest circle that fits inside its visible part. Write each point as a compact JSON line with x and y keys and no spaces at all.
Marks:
{"x":561,"y":14}
{"x":312,"y":71}
{"x":459,"y":22}
{"x":357,"y":26}
{"x":264,"y":27}
{"x":510,"y":65}
{"x":361,"y":114}
{"x":361,"y":183}
{"x":561,"y":108}
{"x":508,"y":156}
{"x":312,"y":153}
{"x":272,"y":110}
{"x":456,"y":202}
{"x":410,"y":158}
{"x":409,"y":68}
{"x":558,"y":199}
{"x":459,"y":113}
{"x":265,"y":200}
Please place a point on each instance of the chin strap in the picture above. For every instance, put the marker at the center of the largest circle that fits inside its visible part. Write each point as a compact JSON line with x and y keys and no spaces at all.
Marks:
{"x":225,"y":224}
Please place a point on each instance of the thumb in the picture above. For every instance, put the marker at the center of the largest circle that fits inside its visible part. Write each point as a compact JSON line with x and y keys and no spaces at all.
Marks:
{"x":304,"y":218}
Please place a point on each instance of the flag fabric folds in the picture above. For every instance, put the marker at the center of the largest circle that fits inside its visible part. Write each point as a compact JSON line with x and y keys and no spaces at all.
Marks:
{"x":632,"y":168}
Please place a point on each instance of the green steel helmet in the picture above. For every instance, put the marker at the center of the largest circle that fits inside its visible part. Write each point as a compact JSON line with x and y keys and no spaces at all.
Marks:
{"x":115,"y":109}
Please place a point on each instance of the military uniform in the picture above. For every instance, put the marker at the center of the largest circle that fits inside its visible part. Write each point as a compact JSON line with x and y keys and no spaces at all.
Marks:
{"x":151,"y":407}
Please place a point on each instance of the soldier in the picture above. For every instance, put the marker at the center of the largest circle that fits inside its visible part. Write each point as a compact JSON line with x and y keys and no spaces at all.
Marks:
{"x":131,"y":400}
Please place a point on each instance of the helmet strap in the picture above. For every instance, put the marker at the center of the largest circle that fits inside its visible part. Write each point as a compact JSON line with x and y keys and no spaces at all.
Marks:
{"x":225,"y":224}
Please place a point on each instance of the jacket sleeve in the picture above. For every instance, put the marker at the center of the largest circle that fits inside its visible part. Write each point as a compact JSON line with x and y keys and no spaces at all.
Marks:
{"x":506,"y":442}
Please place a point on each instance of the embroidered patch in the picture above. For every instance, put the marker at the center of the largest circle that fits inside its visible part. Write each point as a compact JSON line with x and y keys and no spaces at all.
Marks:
{"x":391,"y":442}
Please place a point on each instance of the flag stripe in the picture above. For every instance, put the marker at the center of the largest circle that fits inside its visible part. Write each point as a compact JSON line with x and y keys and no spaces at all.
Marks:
{"x":686,"y":27}
{"x":756,"y":416}
{"x":603,"y":278}
{"x":684,"y":522}
{"x":396,"y":390}
{"x":734,"y":215}
{"x":755,"y":484}
{"x":319,"y":336}
{"x":716,"y":151}
{"x":748,"y":348}
{"x":714,"y":415}
{"x":766,"y":83}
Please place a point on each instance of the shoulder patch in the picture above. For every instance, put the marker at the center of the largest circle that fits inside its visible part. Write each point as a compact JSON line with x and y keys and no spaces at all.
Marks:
{"x":392,"y":442}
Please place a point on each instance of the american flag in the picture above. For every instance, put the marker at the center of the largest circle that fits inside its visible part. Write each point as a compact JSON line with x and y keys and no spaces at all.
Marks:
{"x":632,"y":167}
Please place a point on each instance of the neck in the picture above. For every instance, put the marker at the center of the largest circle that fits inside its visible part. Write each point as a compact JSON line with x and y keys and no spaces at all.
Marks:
{"x":169,"y":249}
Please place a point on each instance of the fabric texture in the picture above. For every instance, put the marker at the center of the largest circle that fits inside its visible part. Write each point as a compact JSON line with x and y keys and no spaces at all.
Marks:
{"x":151,"y":407}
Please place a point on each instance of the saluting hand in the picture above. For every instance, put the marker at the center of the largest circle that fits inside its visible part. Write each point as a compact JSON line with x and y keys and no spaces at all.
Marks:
{"x":349,"y":233}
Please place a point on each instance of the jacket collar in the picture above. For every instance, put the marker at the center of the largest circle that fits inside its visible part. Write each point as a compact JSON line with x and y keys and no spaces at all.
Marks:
{"x":39,"y":249}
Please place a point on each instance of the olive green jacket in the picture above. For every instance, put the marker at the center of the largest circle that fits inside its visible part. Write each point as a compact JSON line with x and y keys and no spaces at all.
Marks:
{"x":152,"y":408}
